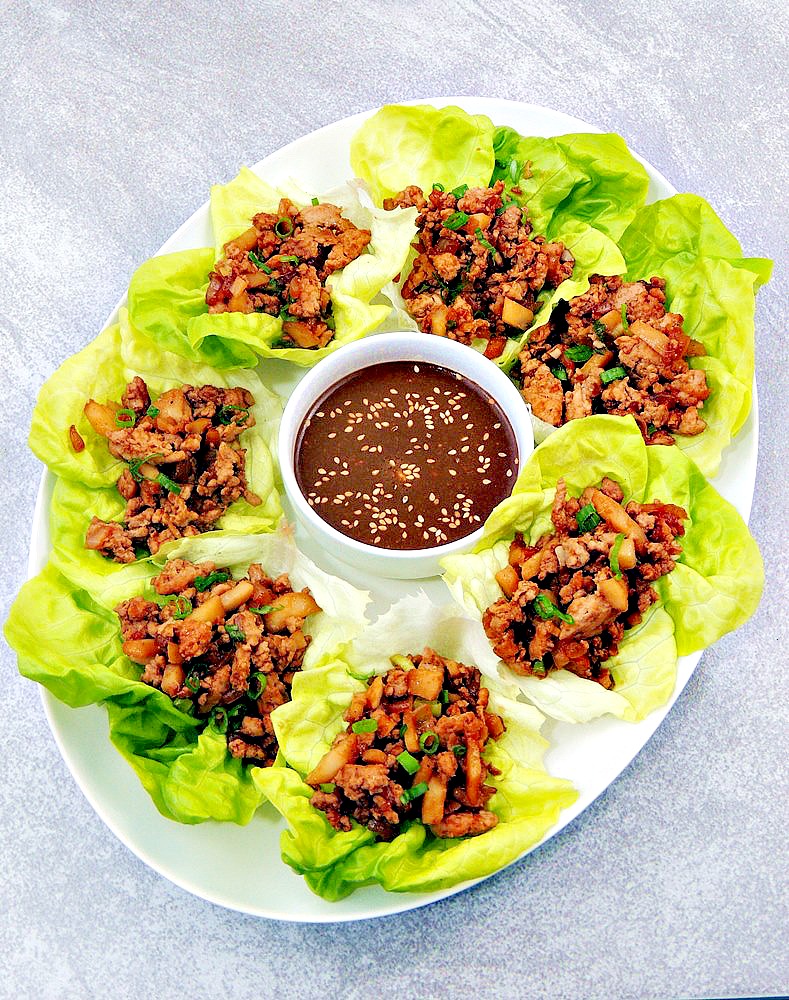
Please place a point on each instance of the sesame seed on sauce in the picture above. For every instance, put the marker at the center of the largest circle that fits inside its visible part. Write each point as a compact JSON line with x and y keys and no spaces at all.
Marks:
{"x":431,"y":456}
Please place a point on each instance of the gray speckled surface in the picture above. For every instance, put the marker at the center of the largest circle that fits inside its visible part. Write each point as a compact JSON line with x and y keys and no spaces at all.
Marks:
{"x":115,"y":118}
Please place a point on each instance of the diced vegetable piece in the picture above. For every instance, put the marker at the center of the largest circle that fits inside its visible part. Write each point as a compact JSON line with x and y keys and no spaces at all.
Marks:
{"x":174,"y":412}
{"x":495,"y":725}
{"x":140,"y":650}
{"x":612,"y":321}
{"x":495,"y":347}
{"x":198,"y":426}
{"x":477,"y":221}
{"x":410,"y":735}
{"x":473,"y":774}
{"x":75,"y":437}
{"x":172,"y":679}
{"x":653,"y":338}
{"x":508,"y":580}
{"x":232,"y":599}
{"x":434,"y":799}
{"x":438,"y":321}
{"x":101,"y":416}
{"x":293,"y":605}
{"x":615,"y":592}
{"x":344,"y":751}
{"x":211,"y":610}
{"x":174,"y":653}
{"x":301,"y":334}
{"x":618,"y":518}
{"x":426,"y":681}
{"x":595,"y":364}
{"x":357,"y":707}
{"x":375,"y":692}
{"x":247,"y":241}
{"x":519,"y":552}
{"x":627,"y":554}
{"x":517,"y":315}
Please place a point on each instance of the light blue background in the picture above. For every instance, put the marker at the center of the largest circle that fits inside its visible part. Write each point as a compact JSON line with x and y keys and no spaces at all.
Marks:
{"x":114,"y":119}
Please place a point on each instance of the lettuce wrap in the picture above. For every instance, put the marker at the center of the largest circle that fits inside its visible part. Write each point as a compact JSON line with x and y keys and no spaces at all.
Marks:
{"x":713,"y":287}
{"x":71,"y":644}
{"x":86,"y":479}
{"x":167,"y":293}
{"x":334,"y":863}
{"x":577,"y":182}
{"x":714,"y":588}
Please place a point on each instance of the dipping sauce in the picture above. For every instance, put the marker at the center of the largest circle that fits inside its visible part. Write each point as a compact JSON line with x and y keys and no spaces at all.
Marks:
{"x":405,"y":455}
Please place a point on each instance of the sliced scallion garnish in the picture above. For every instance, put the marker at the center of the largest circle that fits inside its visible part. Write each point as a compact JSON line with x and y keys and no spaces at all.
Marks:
{"x":429,"y":742}
{"x":413,"y":793}
{"x":365,"y":726}
{"x":183,"y":607}
{"x":579,"y":353}
{"x":546,"y":609}
{"x":202,"y":583}
{"x":587,"y":518}
{"x":456,"y":220}
{"x":613,"y":374}
{"x":408,"y":762}
{"x":126,"y":417}
{"x":613,"y":558}
{"x":235,"y":633}
{"x":257,"y":685}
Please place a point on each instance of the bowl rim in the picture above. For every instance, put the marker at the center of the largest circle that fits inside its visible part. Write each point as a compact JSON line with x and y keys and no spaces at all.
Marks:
{"x":305,"y":395}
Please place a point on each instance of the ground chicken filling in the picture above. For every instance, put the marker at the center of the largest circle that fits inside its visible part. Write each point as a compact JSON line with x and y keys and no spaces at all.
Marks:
{"x":570,"y":597}
{"x":412,"y":750}
{"x":478,"y":270}
{"x":231,"y":647}
{"x":280,"y":265}
{"x":616,"y":350}
{"x":184,"y":464}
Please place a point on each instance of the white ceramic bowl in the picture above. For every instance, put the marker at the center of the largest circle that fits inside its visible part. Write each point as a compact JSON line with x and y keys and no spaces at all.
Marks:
{"x":401,"y":564}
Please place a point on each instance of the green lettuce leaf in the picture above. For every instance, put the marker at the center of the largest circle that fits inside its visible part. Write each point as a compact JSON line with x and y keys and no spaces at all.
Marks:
{"x":528,"y":801}
{"x":86,"y":486}
{"x":422,"y":145}
{"x":579,"y":177}
{"x":70,"y":643}
{"x":715,"y":587}
{"x":167,"y":293}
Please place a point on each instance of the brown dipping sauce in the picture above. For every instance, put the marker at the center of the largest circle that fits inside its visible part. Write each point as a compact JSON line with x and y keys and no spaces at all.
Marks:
{"x":405,"y":455}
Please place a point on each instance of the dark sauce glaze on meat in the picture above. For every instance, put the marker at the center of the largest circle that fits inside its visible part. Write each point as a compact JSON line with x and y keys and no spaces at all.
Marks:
{"x":406,"y":455}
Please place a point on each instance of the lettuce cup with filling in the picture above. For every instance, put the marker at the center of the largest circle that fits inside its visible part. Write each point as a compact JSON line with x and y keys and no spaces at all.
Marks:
{"x":190,"y":660}
{"x":610,"y":560}
{"x":408,"y":767}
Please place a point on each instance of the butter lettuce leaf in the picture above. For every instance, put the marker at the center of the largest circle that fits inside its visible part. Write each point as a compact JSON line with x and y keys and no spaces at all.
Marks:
{"x":715,"y":587}
{"x":418,"y":144}
{"x":167,"y":293}
{"x":334,"y":863}
{"x":70,"y":643}
{"x":578,"y":177}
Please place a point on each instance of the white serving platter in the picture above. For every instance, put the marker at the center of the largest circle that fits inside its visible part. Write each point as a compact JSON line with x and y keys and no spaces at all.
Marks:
{"x":240,"y":867}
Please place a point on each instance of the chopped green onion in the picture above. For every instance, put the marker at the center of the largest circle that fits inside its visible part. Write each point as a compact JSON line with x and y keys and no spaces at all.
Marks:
{"x":429,"y":742}
{"x":538,"y":667}
{"x":599,"y":328}
{"x":438,"y":186}
{"x":315,"y":201}
{"x":289,"y":257}
{"x":235,"y":633}
{"x":456,"y":220}
{"x":141,"y":552}
{"x":284,"y":314}
{"x":330,"y":322}
{"x":226,"y":413}
{"x":284,"y":226}
{"x":126,"y":418}
{"x":260,"y":682}
{"x":193,"y":682}
{"x":152,"y":411}
{"x":413,"y":793}
{"x":625,"y":323}
{"x":459,"y":751}
{"x":408,"y":762}
{"x":460,"y":190}
{"x":579,"y":353}
{"x":134,"y":465}
{"x":168,"y":483}
{"x":444,"y":697}
{"x":202,"y":583}
{"x":481,"y":238}
{"x":546,"y":609}
{"x":328,"y":786}
{"x":219,"y":719}
{"x":613,"y":559}
{"x":365,"y":726}
{"x":273,"y":287}
{"x":259,"y":262}
{"x":183,"y":607}
{"x":560,"y":372}
{"x":265,"y":608}
{"x":587,"y":518}
{"x":403,"y":729}
{"x":360,"y":677}
{"x":651,"y":428}
{"x":613,"y":374}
